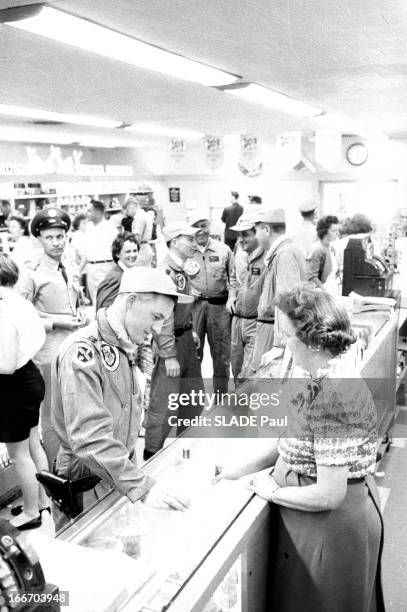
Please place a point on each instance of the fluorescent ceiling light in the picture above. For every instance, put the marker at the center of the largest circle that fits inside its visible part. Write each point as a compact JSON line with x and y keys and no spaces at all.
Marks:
{"x":43,"y":115}
{"x":89,"y":36}
{"x":267,"y":97}
{"x":109,"y":143}
{"x":157,"y":130}
{"x":9,"y":134}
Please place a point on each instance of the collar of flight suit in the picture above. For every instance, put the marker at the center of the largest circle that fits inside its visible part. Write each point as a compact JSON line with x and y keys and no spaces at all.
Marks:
{"x":274,"y":247}
{"x":256,"y":254}
{"x":175,"y":262}
{"x":112,"y":331}
{"x":210,"y":246}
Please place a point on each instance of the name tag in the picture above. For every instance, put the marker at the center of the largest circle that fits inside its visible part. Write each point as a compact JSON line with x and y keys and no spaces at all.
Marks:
{"x":213,"y":258}
{"x":256,"y":271}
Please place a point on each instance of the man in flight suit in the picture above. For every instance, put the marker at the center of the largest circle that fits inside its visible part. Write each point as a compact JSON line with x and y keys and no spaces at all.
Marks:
{"x":244,"y":309}
{"x":212,"y":277}
{"x":98,"y":401}
{"x":55,"y":292}
{"x":178,"y":369}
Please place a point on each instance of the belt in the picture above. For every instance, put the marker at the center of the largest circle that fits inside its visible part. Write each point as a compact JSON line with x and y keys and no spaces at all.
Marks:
{"x":178,"y":331}
{"x":222,"y":299}
{"x":244,"y":317}
{"x":101,"y":261}
{"x":264,"y":321}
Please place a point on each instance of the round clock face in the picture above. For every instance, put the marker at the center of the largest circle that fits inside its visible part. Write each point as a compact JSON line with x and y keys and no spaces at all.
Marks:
{"x":357,"y":154}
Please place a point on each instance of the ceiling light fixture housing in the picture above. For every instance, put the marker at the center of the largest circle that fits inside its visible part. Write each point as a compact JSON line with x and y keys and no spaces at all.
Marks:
{"x":251,"y":92}
{"x":156,"y":130}
{"x":89,"y":36}
{"x":51,"y":116}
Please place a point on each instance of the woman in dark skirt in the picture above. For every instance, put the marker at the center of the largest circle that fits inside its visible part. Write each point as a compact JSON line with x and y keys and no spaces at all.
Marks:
{"x":21,"y":392}
{"x":326,"y":552}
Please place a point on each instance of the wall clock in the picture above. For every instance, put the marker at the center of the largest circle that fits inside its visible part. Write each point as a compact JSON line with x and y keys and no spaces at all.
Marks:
{"x":357,"y":154}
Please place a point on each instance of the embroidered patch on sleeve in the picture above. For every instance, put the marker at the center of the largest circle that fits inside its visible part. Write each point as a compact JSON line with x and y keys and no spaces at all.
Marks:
{"x":110,"y":356}
{"x":84,"y":356}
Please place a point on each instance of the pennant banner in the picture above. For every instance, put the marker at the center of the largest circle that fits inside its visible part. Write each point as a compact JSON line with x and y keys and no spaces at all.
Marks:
{"x":288,"y":149}
{"x":328,"y":148}
{"x":214,"y":150}
{"x":177,"y":149}
{"x":250,"y":163}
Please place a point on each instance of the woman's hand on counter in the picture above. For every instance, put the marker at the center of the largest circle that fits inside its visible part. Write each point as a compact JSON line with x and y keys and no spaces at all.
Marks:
{"x":164,"y":498}
{"x":263,"y":486}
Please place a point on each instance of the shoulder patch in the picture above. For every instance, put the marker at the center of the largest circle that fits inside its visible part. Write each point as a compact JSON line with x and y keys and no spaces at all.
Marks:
{"x":84,"y":355}
{"x":192,"y":267}
{"x":180,"y":281}
{"x":110,"y":356}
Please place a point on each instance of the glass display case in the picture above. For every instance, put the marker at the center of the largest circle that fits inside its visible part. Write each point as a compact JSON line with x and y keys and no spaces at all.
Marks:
{"x":140,"y":558}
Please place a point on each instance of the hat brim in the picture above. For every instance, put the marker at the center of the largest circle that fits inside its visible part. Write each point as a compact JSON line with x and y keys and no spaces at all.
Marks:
{"x":242,"y":228}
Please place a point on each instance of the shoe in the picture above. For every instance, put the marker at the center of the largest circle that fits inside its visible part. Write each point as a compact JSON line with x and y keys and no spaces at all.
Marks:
{"x":16,"y":510}
{"x":33,"y":524}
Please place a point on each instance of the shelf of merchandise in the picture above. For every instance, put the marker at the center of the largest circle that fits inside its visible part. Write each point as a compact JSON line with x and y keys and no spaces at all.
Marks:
{"x":64,"y":194}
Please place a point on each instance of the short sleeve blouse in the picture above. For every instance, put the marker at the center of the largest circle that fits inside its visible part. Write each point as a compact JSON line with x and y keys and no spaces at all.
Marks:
{"x":333,"y":422}
{"x":24,"y":317}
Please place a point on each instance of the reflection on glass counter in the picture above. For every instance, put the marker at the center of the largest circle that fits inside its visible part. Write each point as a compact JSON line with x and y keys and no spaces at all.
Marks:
{"x":165,"y":546}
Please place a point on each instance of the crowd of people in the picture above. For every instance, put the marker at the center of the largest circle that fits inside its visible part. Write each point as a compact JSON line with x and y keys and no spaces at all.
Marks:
{"x":97,"y":331}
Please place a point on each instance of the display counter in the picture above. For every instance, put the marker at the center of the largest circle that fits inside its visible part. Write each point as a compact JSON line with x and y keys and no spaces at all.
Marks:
{"x":213,"y":557}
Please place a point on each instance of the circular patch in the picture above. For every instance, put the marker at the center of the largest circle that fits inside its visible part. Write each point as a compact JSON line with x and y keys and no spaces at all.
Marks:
{"x":110,"y":356}
{"x":192,"y":267}
{"x":85,"y":355}
{"x":52,"y":212}
{"x":180,"y":280}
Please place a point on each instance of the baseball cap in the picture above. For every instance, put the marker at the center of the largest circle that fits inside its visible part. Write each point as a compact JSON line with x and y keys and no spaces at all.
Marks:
{"x":269,"y":215}
{"x":198,"y":215}
{"x":48,"y":218}
{"x":308,"y":206}
{"x":178,"y":228}
{"x":141,"y":279}
{"x":243,"y":224}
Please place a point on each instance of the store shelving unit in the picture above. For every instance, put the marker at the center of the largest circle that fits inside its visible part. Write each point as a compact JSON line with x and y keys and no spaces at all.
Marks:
{"x":28,"y":198}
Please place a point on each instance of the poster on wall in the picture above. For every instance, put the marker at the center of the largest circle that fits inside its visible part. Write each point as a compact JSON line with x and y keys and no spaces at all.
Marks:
{"x":288,"y":149}
{"x":328,"y":148}
{"x":250,"y":163}
{"x":174,"y":194}
{"x":177,"y":149}
{"x":214,"y":151}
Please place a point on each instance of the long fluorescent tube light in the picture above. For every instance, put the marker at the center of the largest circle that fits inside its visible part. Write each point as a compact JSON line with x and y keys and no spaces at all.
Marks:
{"x":89,"y":36}
{"x":9,"y":134}
{"x":267,"y":97}
{"x":43,"y":115}
{"x":156,"y":130}
{"x":108,"y":143}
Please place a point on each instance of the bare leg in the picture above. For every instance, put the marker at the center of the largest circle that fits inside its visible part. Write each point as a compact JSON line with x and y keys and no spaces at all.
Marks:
{"x":19,"y":453}
{"x":40,"y":461}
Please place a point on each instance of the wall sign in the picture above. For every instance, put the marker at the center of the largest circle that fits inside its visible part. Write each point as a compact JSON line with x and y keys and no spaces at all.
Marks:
{"x":55,"y":163}
{"x":213,"y":147}
{"x":174,"y":194}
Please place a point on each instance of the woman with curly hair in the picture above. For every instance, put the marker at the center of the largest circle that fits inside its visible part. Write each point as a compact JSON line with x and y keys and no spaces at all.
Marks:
{"x":329,"y":530}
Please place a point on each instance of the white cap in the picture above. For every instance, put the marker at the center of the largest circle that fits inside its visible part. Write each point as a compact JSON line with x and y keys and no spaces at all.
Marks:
{"x":151,"y":280}
{"x":178,"y":228}
{"x":198,"y":215}
{"x":270,"y":215}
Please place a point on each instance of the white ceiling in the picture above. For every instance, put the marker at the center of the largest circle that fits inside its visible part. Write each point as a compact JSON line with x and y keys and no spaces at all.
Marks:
{"x":347,"y":56}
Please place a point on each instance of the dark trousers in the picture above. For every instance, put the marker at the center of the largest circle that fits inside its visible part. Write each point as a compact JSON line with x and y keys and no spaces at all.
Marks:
{"x":162,"y":386}
{"x":214,"y":321}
